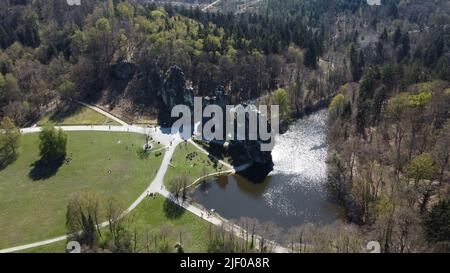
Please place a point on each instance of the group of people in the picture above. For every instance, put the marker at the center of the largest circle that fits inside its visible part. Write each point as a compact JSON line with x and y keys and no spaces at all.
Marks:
{"x":208,"y":213}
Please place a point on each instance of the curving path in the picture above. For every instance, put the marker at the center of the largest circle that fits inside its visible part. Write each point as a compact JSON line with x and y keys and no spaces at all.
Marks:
{"x":205,"y":9}
{"x":232,"y":169}
{"x":198,"y":180}
{"x":171,"y":141}
{"x":155,"y":186}
{"x":103,"y":112}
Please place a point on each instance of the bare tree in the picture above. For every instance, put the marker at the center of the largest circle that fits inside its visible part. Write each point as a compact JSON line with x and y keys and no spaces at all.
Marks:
{"x":82,"y":219}
{"x":441,"y":151}
{"x":119,"y":233}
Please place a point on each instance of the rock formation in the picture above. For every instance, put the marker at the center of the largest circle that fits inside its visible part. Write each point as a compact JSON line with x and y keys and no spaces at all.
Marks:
{"x":123,"y":70}
{"x":245,"y":152}
{"x":174,"y":90}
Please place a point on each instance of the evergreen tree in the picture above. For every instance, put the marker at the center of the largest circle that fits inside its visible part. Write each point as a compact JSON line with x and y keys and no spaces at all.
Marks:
{"x":437,"y":222}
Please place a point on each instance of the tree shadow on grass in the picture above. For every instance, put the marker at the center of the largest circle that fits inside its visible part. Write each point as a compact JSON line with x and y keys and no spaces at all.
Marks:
{"x":142,"y":154}
{"x":6,"y":159}
{"x":172,"y":210}
{"x":43,"y":171}
{"x":64,"y":112}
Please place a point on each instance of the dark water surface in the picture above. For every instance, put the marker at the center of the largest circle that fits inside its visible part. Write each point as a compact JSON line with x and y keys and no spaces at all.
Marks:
{"x":293,"y":194}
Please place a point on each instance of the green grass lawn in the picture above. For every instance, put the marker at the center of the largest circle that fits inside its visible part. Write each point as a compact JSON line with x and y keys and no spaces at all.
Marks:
{"x":152,"y":218}
{"x":160,"y":216}
{"x":198,"y":166}
{"x":76,"y":115}
{"x":58,"y":247}
{"x":33,"y":207}
{"x":218,"y":152}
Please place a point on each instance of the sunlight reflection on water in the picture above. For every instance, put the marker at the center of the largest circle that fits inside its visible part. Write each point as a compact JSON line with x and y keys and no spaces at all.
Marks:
{"x":299,"y":157}
{"x":294,"y":193}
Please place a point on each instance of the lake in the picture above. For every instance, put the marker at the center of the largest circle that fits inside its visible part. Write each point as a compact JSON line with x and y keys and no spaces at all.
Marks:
{"x":293,"y":194}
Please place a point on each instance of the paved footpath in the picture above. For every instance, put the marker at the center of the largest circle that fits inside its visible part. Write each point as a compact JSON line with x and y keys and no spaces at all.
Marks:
{"x":156,"y":133}
{"x":171,"y":141}
{"x":103,"y":112}
{"x":205,"y":9}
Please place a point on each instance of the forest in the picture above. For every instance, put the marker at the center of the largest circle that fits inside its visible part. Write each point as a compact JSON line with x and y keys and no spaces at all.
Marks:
{"x":79,"y":56}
